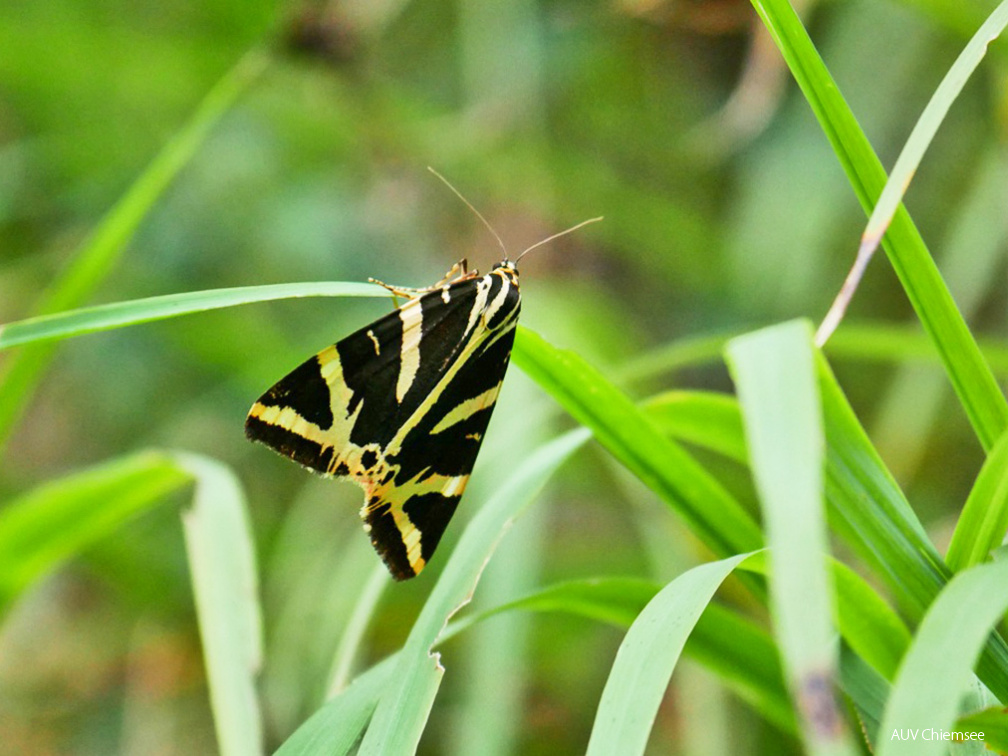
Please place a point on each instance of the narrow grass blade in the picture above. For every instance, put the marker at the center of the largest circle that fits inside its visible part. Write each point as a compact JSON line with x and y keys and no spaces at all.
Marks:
{"x":731,"y":646}
{"x":984,"y":519}
{"x":869,"y":512}
{"x":702,"y":418}
{"x":54,"y":522}
{"x":613,"y":600}
{"x":646,"y":658}
{"x":99,"y":254}
{"x":335,"y":728}
{"x":225,"y":583}
{"x":974,"y":384}
{"x":909,"y":159}
{"x":86,"y":320}
{"x":353,"y":633}
{"x":864,"y":341}
{"x":630,"y":436}
{"x":992,"y":722}
{"x":405,"y":705}
{"x":774,"y":373}
{"x":938,"y":667}
{"x":871,"y":627}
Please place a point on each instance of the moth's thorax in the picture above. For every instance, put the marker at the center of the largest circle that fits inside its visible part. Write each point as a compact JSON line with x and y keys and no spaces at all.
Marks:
{"x":506,"y":269}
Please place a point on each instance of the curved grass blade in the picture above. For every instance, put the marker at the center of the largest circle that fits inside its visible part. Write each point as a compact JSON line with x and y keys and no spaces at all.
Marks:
{"x":402,"y":712}
{"x":86,"y":320}
{"x":910,"y":157}
{"x":775,"y":378}
{"x":984,"y":520}
{"x":630,"y":436}
{"x":648,"y":655}
{"x":93,"y":262}
{"x":45,"y":527}
{"x":978,"y":392}
{"x":702,"y":418}
{"x":733,"y":647}
{"x":866,"y":341}
{"x":992,"y":722}
{"x":336,"y":727}
{"x":225,"y":584}
{"x":938,"y":667}
{"x":866,"y":621}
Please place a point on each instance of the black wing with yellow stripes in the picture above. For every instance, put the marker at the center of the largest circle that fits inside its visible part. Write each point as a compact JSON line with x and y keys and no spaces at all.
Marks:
{"x":401,"y":407}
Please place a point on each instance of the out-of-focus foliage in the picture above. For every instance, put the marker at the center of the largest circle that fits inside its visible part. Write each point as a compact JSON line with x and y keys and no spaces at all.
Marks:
{"x":725,"y":208}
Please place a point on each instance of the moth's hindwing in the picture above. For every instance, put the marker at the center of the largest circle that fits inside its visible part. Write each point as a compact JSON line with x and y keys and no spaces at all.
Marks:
{"x":401,"y":407}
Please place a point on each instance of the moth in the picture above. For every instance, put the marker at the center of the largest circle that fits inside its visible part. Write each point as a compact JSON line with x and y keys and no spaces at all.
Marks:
{"x":401,"y":406}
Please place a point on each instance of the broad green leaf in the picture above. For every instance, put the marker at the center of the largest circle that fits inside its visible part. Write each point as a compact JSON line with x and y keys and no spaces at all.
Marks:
{"x":52,"y":523}
{"x":984,"y":519}
{"x":775,"y":379}
{"x":969,"y":374}
{"x":404,"y":707}
{"x":630,"y":436}
{"x":100,"y":253}
{"x":221,"y":555}
{"x":86,"y":320}
{"x":648,"y":655}
{"x":938,"y":667}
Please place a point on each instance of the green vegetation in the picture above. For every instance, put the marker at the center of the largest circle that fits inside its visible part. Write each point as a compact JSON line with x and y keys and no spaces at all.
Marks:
{"x":690,"y":530}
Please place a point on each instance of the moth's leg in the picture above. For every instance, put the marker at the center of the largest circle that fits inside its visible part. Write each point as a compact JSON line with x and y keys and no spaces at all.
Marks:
{"x":458,"y":272}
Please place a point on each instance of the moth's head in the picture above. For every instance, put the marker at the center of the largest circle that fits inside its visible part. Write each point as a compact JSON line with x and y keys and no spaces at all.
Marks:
{"x":507,"y":265}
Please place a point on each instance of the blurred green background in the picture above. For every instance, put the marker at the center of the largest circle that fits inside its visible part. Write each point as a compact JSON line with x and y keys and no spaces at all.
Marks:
{"x":724,"y":209}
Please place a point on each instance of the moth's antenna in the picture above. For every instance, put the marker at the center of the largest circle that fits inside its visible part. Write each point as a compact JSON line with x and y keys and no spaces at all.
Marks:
{"x":555,"y":236}
{"x":469,"y":205}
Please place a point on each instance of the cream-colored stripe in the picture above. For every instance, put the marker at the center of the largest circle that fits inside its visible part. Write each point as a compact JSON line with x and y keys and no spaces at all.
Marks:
{"x":495,"y":305}
{"x":411,"y":315}
{"x":465,"y":409}
{"x":476,"y":341}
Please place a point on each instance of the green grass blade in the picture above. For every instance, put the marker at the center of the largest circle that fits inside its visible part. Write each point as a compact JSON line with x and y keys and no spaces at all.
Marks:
{"x":86,"y":320}
{"x":630,"y":436}
{"x":910,"y":157}
{"x":336,"y":727}
{"x":221,"y":555}
{"x":927,"y":125}
{"x":774,"y":373}
{"x":868,"y":508}
{"x":969,"y":374}
{"x":704,"y":419}
{"x":357,"y":624}
{"x":938,"y":667}
{"x":404,"y":707}
{"x":99,"y":254}
{"x":984,"y":519}
{"x":52,"y":523}
{"x":864,"y":341}
{"x":735,"y":648}
{"x":648,"y":655}
{"x":993,"y":723}
{"x":869,"y":625}
{"x":613,"y":600}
